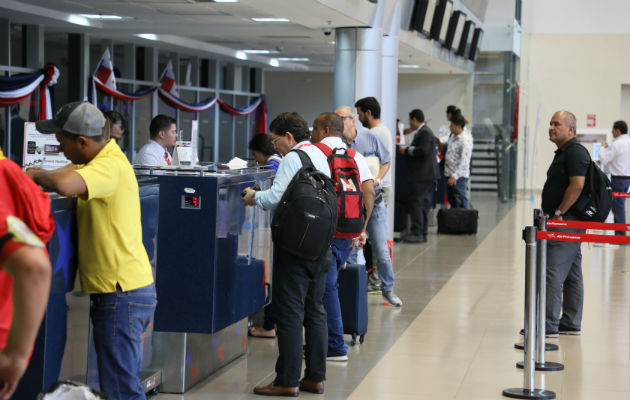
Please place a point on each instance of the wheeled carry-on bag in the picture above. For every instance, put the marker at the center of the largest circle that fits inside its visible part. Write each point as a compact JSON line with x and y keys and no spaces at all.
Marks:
{"x":458,"y":221}
{"x":353,"y":299}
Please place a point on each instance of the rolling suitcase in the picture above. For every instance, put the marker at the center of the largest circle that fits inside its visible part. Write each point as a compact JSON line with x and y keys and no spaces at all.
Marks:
{"x":353,"y":300}
{"x":459,"y":221}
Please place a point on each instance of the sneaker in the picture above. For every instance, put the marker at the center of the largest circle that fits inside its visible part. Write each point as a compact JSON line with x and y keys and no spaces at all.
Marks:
{"x":565,"y":330}
{"x":548,"y":335}
{"x":373,"y":288}
{"x":391,"y":298}
{"x":374,"y":279}
{"x":336,"y":356}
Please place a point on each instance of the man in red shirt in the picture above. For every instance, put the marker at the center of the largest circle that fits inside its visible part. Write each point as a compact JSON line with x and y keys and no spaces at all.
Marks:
{"x":25,"y":271}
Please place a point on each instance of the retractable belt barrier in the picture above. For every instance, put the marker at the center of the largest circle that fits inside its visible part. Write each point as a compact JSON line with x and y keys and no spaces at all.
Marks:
{"x":621,"y":194}
{"x":534,"y":346}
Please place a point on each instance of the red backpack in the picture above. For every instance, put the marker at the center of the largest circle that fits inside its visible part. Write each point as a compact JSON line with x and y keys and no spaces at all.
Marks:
{"x":345,"y":175}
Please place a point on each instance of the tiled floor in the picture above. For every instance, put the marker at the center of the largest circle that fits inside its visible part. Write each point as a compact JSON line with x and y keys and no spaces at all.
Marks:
{"x":454,"y":336}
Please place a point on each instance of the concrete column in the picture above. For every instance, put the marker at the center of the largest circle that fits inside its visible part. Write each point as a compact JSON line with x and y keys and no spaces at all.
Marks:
{"x":78,"y":65}
{"x":33,"y":46}
{"x":5,"y":41}
{"x":389,"y":95}
{"x":358,"y":61}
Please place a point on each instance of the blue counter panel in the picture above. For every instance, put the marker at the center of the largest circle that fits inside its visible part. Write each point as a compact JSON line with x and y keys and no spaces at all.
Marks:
{"x":211,"y":271}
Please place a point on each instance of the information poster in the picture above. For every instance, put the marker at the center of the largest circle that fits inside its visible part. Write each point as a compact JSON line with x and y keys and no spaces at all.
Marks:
{"x":41,"y":150}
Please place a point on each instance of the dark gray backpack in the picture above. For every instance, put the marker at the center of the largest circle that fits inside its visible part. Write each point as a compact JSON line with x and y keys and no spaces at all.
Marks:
{"x":305,"y":219}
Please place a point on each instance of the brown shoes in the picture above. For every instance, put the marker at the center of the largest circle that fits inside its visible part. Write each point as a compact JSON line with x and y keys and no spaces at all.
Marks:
{"x":312,"y":386}
{"x":273,"y":390}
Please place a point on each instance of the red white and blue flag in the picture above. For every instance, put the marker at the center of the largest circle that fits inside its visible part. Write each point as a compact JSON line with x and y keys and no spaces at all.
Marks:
{"x":104,"y":79}
{"x":15,"y":89}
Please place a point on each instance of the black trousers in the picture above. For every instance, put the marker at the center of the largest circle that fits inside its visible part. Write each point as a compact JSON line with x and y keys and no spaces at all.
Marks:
{"x":298,"y":289}
{"x":419,"y":204}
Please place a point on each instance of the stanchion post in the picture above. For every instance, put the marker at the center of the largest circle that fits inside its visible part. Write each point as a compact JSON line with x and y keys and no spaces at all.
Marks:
{"x":538,"y":214}
{"x":529,"y":391}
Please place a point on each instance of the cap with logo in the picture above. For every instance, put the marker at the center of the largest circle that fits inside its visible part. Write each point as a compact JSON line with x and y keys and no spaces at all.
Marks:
{"x":79,"y":118}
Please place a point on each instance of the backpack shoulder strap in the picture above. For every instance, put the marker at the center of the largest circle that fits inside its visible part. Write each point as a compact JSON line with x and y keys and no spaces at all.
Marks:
{"x":304,"y":158}
{"x":325,"y":149}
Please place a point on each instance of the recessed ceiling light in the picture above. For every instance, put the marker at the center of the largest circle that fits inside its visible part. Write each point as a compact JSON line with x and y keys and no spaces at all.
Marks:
{"x":105,"y":17}
{"x":294,"y":59}
{"x":408,"y":66}
{"x":226,"y":1}
{"x":241,"y":55}
{"x":331,"y":42}
{"x":150,"y":36}
{"x":256,"y":51}
{"x":78,"y":20}
{"x":274,"y":62}
{"x":270,"y":19}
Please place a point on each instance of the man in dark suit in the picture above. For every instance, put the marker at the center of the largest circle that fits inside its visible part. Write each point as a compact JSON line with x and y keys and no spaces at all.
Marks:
{"x":422,"y":172}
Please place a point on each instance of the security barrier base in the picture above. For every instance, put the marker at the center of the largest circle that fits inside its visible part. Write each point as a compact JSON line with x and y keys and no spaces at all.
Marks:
{"x":548,"y":346}
{"x":546,"y":366}
{"x":520,"y":393}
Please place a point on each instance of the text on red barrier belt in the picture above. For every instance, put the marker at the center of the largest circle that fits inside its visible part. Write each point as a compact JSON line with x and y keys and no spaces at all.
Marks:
{"x":582,"y":237}
{"x":621,"y":194}
{"x":553,"y":223}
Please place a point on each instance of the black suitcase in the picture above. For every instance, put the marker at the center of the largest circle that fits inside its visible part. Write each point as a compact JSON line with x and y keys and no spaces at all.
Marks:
{"x":458,"y":221}
{"x":353,"y":300}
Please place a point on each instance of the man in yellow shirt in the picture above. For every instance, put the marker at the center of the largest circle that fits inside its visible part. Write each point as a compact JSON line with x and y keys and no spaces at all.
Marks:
{"x":113,"y":264}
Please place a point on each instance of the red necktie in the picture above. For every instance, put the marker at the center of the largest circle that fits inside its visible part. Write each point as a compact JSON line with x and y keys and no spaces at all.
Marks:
{"x":168,"y":162}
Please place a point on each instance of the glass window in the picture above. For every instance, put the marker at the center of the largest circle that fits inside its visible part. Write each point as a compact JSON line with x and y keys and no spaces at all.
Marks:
{"x":206,"y":133}
{"x":226,"y":131}
{"x":142,"y":121}
{"x":241,"y":128}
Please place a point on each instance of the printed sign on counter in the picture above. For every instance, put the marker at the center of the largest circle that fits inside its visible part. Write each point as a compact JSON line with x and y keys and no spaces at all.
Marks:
{"x":41,"y":150}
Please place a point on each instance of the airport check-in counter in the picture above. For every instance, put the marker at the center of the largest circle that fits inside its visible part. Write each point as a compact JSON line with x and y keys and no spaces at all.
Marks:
{"x":63,"y":348}
{"x":213,"y":270}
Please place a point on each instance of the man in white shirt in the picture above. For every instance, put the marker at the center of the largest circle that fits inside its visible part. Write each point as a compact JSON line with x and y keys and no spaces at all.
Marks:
{"x":328,"y":129}
{"x":163,"y":134}
{"x":615,"y":158}
{"x":369,"y":112}
{"x":457,"y":163}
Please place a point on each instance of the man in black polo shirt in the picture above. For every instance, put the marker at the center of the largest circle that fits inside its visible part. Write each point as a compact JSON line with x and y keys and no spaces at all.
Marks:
{"x":565,"y":180}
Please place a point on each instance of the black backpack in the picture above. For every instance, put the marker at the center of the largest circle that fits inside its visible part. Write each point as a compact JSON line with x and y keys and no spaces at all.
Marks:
{"x":305,"y":219}
{"x":596,"y":198}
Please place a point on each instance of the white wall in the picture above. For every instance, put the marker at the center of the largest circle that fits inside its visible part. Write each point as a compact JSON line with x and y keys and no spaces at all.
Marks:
{"x":576,"y":16}
{"x":311,"y":93}
{"x":575,"y":56}
{"x":432,"y":94}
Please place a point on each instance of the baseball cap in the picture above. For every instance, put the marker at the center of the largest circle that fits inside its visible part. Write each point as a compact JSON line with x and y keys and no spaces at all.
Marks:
{"x":80,"y":118}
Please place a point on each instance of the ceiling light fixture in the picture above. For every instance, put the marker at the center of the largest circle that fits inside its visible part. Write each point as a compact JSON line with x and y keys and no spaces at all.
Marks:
{"x":105,"y":17}
{"x":240,"y":55}
{"x":294,"y":59}
{"x":78,"y":20}
{"x":225,"y":1}
{"x":409,"y":66}
{"x":256,"y":51}
{"x":149,"y":36}
{"x":270,"y":19}
{"x":274,"y":62}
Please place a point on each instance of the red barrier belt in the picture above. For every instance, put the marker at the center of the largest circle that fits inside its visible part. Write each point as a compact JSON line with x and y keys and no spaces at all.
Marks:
{"x":582,"y":237}
{"x":621,"y":194}
{"x":552,"y":223}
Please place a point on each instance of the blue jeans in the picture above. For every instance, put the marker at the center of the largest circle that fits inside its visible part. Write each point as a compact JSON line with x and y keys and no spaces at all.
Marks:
{"x":119,"y":320}
{"x":457,"y":194}
{"x":377,"y":229}
{"x":340,"y":249}
{"x":618,"y":205}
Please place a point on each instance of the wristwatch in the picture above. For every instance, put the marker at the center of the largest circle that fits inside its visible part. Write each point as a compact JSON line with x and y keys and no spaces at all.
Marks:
{"x":558,"y":213}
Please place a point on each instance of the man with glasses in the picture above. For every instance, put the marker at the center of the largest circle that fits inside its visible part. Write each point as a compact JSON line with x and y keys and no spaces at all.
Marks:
{"x":372,"y":148}
{"x":298,"y":284}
